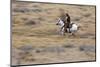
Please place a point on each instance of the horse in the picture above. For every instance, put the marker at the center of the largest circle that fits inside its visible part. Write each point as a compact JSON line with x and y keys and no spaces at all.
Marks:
{"x":61,"y":24}
{"x":73,"y":27}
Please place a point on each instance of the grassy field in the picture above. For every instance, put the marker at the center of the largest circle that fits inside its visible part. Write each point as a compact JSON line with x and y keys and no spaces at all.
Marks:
{"x":36,"y":38}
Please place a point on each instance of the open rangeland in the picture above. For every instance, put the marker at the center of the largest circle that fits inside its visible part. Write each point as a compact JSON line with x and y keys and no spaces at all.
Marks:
{"x":36,"y":38}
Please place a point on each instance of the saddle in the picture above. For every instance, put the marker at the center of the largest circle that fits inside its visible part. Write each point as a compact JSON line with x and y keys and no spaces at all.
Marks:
{"x":68,"y":26}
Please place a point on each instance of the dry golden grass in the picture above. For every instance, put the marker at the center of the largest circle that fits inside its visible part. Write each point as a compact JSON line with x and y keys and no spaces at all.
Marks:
{"x":34,"y":25}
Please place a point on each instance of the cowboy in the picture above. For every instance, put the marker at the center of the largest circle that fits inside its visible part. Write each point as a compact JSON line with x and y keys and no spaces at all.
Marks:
{"x":67,"y":23}
{"x":66,"y":19}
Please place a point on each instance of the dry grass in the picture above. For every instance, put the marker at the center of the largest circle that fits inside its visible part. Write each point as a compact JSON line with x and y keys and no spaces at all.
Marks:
{"x":34,"y":25}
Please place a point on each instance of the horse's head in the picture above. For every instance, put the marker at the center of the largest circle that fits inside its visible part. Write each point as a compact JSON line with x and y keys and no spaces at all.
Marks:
{"x":60,"y":22}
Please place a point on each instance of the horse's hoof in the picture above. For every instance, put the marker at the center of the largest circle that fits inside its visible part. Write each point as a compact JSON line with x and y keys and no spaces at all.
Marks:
{"x":69,"y":32}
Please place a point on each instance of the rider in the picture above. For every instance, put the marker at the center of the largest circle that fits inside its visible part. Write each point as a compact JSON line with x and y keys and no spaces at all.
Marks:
{"x":66,"y":19}
{"x":68,"y":22}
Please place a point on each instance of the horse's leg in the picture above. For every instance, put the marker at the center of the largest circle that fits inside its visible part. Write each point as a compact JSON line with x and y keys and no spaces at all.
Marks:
{"x":69,"y":30}
{"x":65,"y":30}
{"x":73,"y":34}
{"x":62,"y":31}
